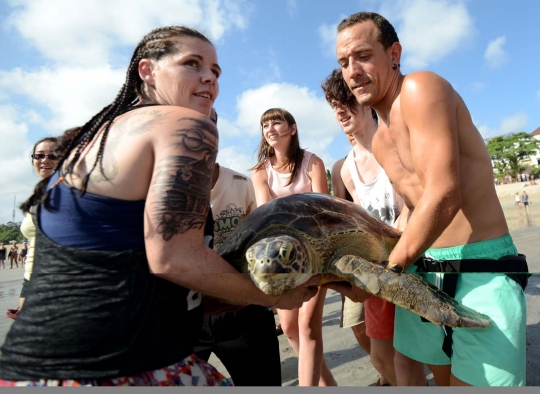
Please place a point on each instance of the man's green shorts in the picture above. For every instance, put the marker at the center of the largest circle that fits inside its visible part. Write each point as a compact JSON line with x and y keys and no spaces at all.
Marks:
{"x":493,"y":356}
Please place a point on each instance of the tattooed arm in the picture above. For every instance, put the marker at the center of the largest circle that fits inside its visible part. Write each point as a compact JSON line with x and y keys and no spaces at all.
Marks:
{"x":176,"y":209}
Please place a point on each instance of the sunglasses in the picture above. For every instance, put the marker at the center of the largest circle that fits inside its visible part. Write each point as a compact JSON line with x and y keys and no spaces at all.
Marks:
{"x":41,"y":156}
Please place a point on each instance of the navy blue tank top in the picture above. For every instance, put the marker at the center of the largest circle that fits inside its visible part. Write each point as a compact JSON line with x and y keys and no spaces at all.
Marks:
{"x":92,"y":222}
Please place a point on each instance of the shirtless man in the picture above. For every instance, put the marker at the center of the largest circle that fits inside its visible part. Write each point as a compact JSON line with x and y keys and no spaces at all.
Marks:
{"x":370,"y":188}
{"x":437,"y":161}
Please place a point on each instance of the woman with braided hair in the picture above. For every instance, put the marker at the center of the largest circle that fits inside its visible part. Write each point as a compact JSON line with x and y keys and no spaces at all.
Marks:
{"x":122,"y":230}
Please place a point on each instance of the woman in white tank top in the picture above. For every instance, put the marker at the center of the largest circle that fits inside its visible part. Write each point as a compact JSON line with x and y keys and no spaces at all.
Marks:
{"x":283,"y":169}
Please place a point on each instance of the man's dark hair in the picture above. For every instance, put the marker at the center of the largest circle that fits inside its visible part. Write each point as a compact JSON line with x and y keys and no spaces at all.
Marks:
{"x":387,"y":34}
{"x":335,"y":89}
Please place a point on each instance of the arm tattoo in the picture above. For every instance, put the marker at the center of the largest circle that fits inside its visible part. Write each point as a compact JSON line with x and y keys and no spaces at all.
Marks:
{"x":184,"y":180}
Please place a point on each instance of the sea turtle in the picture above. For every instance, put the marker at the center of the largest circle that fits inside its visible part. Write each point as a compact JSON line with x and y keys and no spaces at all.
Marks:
{"x":286,"y":241}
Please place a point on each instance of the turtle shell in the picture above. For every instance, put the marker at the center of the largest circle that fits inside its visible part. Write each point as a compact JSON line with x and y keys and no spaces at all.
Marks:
{"x":314,"y":214}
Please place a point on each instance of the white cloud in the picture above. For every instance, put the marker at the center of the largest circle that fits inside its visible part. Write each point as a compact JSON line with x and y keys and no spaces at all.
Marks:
{"x":71,"y":94}
{"x":428,"y":30}
{"x":514,"y":124}
{"x":83,"y":32}
{"x":228,"y":129}
{"x":239,"y":161}
{"x":15,"y":151}
{"x":510,"y":124}
{"x":328,"y":35}
{"x":495,"y":54}
{"x":316,"y":124}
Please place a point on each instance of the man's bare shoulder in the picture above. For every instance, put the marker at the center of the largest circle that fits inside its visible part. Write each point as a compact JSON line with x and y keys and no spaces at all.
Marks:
{"x":422,"y":81}
{"x":423,"y":92}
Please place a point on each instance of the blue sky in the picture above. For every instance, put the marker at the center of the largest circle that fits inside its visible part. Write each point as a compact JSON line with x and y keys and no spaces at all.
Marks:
{"x":63,"y":60}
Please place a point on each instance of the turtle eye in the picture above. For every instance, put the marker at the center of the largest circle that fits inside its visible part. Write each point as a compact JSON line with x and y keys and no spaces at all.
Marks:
{"x":292,"y":254}
{"x":287,"y":252}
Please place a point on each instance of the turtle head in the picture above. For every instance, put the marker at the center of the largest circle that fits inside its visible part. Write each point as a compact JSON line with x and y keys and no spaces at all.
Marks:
{"x":278,"y":264}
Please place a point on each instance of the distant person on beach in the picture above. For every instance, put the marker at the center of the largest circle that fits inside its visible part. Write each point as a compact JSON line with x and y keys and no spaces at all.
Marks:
{"x":244,"y":340}
{"x":122,"y":256}
{"x":370,"y":188}
{"x":282,"y":169}
{"x":3,"y":255}
{"x":438,"y":162}
{"x":525,"y":200}
{"x":44,"y":161}
{"x":24,"y":252}
{"x":517,"y":199}
{"x":13,"y":253}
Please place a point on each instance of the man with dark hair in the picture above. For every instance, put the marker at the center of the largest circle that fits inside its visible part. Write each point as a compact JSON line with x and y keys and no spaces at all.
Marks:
{"x":437,"y":161}
{"x":370,"y":188}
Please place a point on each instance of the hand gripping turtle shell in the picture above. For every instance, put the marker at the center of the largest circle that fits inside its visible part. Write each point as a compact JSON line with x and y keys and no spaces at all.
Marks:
{"x":288,"y":240}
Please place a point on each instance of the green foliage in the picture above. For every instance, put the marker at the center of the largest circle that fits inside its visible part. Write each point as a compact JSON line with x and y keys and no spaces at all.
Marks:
{"x":8,"y":233}
{"x":508,"y":152}
{"x":329,"y":182}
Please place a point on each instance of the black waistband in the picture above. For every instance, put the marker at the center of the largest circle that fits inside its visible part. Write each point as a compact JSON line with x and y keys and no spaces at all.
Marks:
{"x":515,"y":267}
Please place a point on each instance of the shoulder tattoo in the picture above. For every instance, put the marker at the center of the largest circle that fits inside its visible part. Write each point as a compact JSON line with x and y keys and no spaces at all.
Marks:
{"x":136,"y":124}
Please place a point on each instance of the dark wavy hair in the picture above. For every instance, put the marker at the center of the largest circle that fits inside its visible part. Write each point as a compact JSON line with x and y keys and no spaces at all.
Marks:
{"x":155,"y":45}
{"x":295,"y":154}
{"x":387,"y":33}
{"x":335,"y":89}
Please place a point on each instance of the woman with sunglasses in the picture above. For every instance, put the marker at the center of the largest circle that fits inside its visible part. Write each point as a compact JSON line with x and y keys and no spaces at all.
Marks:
{"x":44,"y":161}
{"x":283,"y":169}
{"x":123,"y":231}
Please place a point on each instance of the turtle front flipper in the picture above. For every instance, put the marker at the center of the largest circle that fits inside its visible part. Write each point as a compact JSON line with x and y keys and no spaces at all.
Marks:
{"x":409,"y":291}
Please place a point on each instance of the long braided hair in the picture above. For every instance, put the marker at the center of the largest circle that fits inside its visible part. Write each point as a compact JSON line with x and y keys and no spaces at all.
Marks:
{"x":155,"y":45}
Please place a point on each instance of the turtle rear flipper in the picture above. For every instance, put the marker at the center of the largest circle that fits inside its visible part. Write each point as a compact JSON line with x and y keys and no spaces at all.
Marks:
{"x":409,"y":291}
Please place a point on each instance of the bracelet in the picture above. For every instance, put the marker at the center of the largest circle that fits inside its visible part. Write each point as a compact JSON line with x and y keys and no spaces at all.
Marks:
{"x":273,"y":306}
